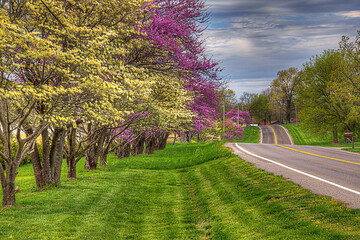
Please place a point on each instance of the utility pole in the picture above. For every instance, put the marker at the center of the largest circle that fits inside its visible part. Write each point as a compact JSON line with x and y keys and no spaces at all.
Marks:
{"x":224,"y":112}
{"x":238,"y":113}
{"x":223,"y":125}
{"x":296,"y":119}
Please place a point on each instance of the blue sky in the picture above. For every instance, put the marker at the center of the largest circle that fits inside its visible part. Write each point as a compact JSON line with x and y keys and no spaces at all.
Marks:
{"x":254,"y":39}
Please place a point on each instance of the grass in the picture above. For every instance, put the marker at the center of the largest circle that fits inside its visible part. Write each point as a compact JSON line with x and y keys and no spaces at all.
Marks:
{"x":187,"y":191}
{"x":356,"y":149}
{"x":251,"y":135}
{"x":301,"y":137}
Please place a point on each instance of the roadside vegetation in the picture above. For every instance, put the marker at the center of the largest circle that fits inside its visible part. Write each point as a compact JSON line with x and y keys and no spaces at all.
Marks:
{"x":302,"y":136}
{"x":251,"y":135}
{"x":89,"y":78}
{"x":187,"y":191}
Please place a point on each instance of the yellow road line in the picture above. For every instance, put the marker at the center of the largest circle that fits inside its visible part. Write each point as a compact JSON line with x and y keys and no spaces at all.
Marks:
{"x":335,"y":159}
{"x":274,"y":134}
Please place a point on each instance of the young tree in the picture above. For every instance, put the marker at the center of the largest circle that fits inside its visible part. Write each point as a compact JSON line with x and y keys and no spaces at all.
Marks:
{"x":259,"y":107}
{"x":245,"y":99}
{"x":283,"y":88}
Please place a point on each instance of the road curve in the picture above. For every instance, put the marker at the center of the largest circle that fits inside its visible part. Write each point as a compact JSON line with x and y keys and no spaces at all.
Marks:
{"x":324,"y":171}
{"x":280,"y":137}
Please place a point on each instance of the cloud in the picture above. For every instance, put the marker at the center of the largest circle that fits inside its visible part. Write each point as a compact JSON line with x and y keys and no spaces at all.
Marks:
{"x":233,"y":8}
{"x":351,"y":14}
{"x":255,"y":39}
{"x":230,"y":46}
{"x":249,"y":85}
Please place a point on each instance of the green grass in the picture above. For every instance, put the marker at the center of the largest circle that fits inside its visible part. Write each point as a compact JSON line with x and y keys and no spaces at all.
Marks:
{"x":189,"y":191}
{"x":182,"y":156}
{"x":301,"y":137}
{"x":251,"y":135}
{"x":356,"y":149}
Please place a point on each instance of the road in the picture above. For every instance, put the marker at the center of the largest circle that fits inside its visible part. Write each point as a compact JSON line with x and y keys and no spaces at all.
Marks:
{"x":324,"y":171}
{"x":275,"y":134}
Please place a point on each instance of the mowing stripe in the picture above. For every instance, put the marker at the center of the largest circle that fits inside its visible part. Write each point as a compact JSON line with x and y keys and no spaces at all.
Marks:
{"x":298,"y":171}
{"x":335,"y":159}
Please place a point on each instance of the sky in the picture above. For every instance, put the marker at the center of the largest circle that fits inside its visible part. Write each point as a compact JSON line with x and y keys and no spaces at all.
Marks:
{"x":254,"y":39}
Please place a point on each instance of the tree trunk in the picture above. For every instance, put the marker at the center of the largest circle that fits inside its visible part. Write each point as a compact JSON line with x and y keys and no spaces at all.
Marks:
{"x":126,"y":150}
{"x":183,"y":137}
{"x":48,"y":169}
{"x":46,"y":162}
{"x":335,"y":136}
{"x":9,"y":185}
{"x":157,"y":141}
{"x":123,"y":149}
{"x":38,"y":172}
{"x":163,"y":140}
{"x":175,"y":135}
{"x":71,"y":167}
{"x":93,"y":153}
{"x":288,"y":111}
{"x":36,"y":163}
{"x":140,"y":145}
{"x":134,"y":144}
{"x":56,"y":154}
{"x":149,"y":144}
{"x":104,"y":151}
{"x":103,"y":157}
{"x":70,"y":153}
{"x":91,"y":159}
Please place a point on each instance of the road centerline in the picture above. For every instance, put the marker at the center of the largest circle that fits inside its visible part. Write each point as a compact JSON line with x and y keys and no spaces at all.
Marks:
{"x":274,"y":135}
{"x":298,"y":171}
{"x":312,"y":154}
{"x":317,"y":155}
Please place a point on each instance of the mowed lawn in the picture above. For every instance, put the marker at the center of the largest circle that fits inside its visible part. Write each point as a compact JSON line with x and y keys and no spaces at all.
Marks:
{"x":187,"y":191}
{"x":251,"y":135}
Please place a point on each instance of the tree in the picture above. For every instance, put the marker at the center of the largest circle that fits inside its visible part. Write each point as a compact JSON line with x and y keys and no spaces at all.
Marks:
{"x":322,"y":110}
{"x":283,"y":89}
{"x":175,"y":29}
{"x":53,"y":74}
{"x":83,"y":80}
{"x":245,"y":99}
{"x":267,"y":93}
{"x":259,"y":107}
{"x":348,"y":72}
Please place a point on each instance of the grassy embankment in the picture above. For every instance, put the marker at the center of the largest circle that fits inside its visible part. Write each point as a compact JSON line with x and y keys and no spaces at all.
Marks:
{"x":301,"y":137}
{"x":251,"y":135}
{"x":187,"y":191}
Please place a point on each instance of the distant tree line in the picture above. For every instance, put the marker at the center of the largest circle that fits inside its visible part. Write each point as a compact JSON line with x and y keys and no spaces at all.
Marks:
{"x":324,"y":94}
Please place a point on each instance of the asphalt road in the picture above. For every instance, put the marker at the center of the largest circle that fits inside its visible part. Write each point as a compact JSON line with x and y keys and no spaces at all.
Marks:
{"x":268,"y":137}
{"x":324,"y":171}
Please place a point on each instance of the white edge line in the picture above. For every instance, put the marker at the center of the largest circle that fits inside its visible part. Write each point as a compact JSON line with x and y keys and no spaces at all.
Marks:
{"x":298,"y":171}
{"x":261,"y":136}
{"x":287,"y":132}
